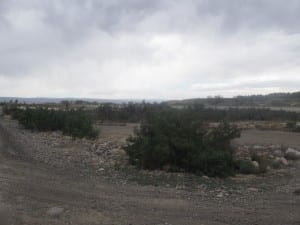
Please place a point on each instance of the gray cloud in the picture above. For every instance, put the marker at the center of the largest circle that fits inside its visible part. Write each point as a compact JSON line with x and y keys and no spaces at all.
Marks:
{"x":255,"y":14}
{"x":158,"y":48}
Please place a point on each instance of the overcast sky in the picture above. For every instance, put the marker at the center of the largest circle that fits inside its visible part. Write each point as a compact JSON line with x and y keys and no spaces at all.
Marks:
{"x":157,"y":49}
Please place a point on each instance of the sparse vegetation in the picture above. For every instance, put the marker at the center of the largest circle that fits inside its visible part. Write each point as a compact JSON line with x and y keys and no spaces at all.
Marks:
{"x":293,"y":126}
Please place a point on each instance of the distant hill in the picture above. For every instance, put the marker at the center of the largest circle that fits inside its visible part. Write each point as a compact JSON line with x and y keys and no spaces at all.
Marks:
{"x":270,"y":100}
{"x":58,"y":100}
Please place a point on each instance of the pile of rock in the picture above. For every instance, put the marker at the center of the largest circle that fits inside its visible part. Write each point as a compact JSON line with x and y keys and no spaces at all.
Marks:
{"x":62,"y":151}
{"x":281,"y":157}
{"x":292,"y":154}
{"x":273,"y":156}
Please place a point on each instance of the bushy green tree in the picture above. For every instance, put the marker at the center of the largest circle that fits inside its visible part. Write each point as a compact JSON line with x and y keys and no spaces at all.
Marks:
{"x":183,"y":144}
{"x":78,"y":125}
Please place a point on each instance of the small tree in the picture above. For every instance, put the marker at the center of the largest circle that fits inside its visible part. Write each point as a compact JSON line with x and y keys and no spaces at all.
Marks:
{"x":177,"y":141}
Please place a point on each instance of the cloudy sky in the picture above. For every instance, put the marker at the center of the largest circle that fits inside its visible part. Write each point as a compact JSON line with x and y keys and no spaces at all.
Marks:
{"x":148,"y":49}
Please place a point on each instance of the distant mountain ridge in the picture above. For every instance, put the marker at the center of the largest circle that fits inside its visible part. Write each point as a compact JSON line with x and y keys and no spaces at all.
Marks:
{"x":269,"y":100}
{"x":38,"y":100}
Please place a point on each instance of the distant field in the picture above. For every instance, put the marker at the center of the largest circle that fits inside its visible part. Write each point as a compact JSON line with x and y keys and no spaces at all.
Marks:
{"x":259,"y":137}
{"x":249,"y":136}
{"x":289,"y":109}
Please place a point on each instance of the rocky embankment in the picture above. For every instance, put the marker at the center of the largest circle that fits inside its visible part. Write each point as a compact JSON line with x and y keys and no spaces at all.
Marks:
{"x":62,"y":151}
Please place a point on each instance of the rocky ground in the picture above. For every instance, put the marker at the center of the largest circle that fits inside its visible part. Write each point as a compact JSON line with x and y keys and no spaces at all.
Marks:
{"x":61,"y":151}
{"x":47,"y":178}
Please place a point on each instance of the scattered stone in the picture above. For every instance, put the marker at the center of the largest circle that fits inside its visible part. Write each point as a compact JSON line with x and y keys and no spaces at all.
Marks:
{"x":292,"y":154}
{"x":180,"y":187}
{"x":252,"y":189}
{"x":280,"y":161}
{"x":257,"y":147}
{"x":205,"y":177}
{"x":274,"y":147}
{"x":220,"y":195}
{"x":283,"y":161}
{"x":55,"y":211}
{"x":101,"y":169}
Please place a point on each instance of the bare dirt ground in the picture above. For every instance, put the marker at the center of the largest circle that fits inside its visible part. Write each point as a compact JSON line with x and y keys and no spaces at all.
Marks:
{"x":28,"y":189}
{"x":260,"y":137}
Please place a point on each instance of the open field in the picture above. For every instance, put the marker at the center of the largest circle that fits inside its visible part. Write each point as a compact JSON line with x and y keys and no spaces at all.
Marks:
{"x":116,"y":132}
{"x":28,"y":189}
{"x":288,"y":109}
{"x":260,"y":137}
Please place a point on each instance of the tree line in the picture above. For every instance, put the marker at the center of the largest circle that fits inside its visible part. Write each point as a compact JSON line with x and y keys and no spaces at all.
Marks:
{"x":137,"y":112}
{"x":73,"y":122}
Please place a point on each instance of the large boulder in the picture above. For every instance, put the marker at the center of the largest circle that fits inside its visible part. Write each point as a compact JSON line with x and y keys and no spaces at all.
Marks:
{"x":255,"y":165}
{"x":281,"y":161}
{"x":292,"y":154}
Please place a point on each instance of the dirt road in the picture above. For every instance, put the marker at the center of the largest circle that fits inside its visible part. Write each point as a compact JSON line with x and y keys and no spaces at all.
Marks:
{"x":28,"y":190}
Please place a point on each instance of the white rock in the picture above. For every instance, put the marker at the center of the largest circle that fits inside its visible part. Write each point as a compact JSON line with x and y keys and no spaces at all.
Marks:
{"x":255,"y":164}
{"x":274,"y":147}
{"x":283,"y":161}
{"x":253,"y":189}
{"x":292,"y":154}
{"x":220,"y":195}
{"x":55,"y":211}
{"x":278,"y":153}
